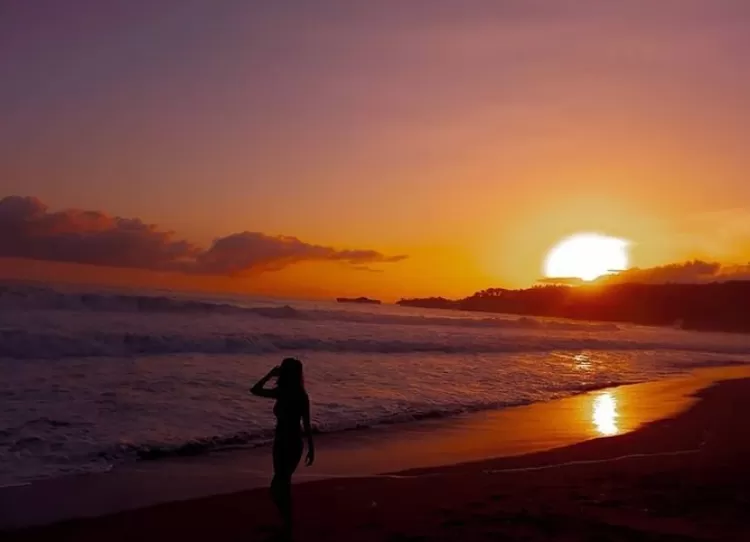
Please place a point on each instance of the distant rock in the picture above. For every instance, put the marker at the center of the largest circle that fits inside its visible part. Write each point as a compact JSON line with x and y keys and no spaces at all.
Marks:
{"x":363,"y":300}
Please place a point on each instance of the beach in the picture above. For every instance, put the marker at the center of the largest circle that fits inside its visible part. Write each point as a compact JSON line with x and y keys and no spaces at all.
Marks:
{"x":683,"y":477}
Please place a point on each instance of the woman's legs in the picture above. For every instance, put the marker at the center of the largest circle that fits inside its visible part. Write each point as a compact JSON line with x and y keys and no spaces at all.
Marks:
{"x":281,"y":493}
{"x":286,"y":457}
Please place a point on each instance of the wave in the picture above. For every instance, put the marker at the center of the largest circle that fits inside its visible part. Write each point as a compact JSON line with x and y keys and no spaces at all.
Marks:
{"x":34,"y":436}
{"x":15,"y":297}
{"x":24,"y":344}
{"x":124,"y":451}
{"x":198,"y":446}
{"x":104,"y":458}
{"x":35,"y":425}
{"x":41,"y":298}
{"x":499,"y":323}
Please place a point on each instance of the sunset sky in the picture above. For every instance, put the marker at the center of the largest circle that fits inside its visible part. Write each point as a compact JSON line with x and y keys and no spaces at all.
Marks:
{"x":412,"y":148}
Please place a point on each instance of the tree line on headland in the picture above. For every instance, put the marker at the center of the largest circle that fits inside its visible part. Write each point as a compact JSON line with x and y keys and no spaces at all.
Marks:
{"x":716,"y":306}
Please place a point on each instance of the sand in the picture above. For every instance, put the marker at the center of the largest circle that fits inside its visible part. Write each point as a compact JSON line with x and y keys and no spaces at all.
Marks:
{"x":682,"y":478}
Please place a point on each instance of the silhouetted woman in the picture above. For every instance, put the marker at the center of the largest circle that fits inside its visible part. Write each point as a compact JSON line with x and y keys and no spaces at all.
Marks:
{"x":292,"y":407}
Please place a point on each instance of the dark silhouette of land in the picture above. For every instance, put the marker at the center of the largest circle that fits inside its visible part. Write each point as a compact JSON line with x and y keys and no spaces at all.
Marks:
{"x":364,"y":300}
{"x":717,"y":306}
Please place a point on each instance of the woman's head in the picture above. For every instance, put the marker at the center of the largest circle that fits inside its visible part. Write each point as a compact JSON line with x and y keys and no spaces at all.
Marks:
{"x":290,"y":375}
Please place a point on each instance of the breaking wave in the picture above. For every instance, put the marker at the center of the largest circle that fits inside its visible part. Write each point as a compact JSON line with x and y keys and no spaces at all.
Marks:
{"x":23,"y":344}
{"x":124,"y":451}
{"x":40,"y":298}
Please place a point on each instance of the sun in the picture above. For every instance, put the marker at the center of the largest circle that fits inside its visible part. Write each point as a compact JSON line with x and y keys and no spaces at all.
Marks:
{"x":586,"y":256}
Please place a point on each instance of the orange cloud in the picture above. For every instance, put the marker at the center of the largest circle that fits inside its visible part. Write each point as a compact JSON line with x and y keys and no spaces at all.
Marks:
{"x":29,"y":230}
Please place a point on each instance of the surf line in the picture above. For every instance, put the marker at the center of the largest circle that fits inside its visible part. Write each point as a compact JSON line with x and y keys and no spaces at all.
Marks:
{"x":592,"y":461}
{"x":324,"y":476}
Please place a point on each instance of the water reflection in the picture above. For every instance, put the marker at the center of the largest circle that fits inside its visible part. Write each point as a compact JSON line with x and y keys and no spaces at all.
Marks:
{"x":582,"y":362}
{"x":605,"y":414}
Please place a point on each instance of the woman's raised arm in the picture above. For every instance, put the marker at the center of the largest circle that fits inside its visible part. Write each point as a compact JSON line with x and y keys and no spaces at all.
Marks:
{"x":259,"y":388}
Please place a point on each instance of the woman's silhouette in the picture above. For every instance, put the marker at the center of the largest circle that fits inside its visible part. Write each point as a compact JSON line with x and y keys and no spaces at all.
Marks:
{"x":292,"y":407}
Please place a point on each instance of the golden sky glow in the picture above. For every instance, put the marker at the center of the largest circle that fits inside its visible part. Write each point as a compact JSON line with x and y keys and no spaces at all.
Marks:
{"x":472,"y":139}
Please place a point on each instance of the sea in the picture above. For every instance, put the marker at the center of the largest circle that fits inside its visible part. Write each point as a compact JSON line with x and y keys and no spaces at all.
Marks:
{"x":94,"y":378}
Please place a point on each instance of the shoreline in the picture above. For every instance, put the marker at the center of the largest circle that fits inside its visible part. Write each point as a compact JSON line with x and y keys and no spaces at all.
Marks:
{"x":418,"y":447}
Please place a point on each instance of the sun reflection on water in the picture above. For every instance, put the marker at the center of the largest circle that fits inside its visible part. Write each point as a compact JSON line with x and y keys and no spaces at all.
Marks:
{"x":605,"y":414}
{"x":582,"y":362}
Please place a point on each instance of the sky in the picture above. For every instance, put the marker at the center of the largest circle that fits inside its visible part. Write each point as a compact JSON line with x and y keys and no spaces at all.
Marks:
{"x":351,"y":147}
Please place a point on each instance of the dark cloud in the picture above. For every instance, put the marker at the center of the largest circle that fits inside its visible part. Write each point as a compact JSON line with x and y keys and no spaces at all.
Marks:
{"x":240,"y":252}
{"x":696,"y":271}
{"x":29,"y":230}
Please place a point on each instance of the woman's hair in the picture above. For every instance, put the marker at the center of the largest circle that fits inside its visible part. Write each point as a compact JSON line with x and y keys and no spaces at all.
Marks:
{"x":290,"y":375}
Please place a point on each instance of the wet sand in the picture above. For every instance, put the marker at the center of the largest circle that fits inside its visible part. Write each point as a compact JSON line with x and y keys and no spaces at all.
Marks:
{"x":681,"y":478}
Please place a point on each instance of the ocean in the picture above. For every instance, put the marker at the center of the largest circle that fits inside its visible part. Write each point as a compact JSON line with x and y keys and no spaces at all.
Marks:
{"x":91,"y":379}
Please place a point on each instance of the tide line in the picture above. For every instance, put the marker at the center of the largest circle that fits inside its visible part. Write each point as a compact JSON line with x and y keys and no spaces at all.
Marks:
{"x":322,"y":475}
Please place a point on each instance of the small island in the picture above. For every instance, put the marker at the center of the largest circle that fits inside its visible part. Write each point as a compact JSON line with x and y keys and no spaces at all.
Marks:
{"x":363,"y":300}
